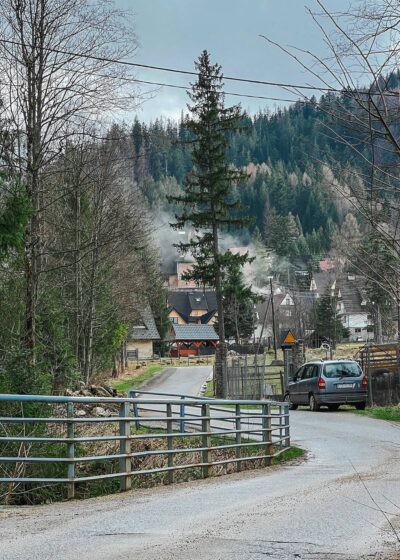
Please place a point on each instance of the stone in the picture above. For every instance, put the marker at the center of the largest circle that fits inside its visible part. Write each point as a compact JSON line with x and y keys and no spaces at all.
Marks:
{"x":99,"y":411}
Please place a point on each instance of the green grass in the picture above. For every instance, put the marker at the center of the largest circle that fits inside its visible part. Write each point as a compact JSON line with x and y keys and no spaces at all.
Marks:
{"x":135,"y":381}
{"x":391,"y":413}
{"x":289,"y":454}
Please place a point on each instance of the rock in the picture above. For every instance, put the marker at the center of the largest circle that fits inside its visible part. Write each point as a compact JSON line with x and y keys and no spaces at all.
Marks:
{"x":101,"y":392}
{"x":99,"y":411}
{"x":69,"y":393}
{"x":85,"y":393}
{"x":80,"y":412}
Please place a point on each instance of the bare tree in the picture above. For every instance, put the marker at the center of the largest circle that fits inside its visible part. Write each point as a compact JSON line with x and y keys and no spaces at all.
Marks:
{"x":360,"y":111}
{"x":58,"y":74}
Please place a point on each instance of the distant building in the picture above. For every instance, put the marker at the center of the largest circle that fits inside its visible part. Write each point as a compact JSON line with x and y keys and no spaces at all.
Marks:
{"x":142,"y":336}
{"x":192,"y":340}
{"x":351,"y":301}
{"x":192,"y":307}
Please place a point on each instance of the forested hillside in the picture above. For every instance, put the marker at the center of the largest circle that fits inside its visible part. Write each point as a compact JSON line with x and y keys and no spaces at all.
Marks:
{"x":293,"y":166}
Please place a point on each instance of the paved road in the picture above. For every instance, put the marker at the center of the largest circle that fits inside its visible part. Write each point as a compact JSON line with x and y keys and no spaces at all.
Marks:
{"x":327,"y":507}
{"x":184,"y":380}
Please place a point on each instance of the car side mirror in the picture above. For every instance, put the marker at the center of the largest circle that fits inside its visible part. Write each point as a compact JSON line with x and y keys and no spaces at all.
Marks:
{"x":295,"y":378}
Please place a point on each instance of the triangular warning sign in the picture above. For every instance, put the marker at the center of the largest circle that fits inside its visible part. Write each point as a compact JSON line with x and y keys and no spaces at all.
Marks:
{"x":289,"y":338}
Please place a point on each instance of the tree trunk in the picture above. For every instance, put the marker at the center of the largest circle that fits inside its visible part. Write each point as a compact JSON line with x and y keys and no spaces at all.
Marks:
{"x":220,"y":354}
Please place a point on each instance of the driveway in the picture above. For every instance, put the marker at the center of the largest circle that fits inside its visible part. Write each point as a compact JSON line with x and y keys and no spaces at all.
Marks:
{"x":343,"y":502}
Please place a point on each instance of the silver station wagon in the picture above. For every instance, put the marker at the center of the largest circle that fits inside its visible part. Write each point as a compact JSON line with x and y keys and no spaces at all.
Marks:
{"x":330,"y":383}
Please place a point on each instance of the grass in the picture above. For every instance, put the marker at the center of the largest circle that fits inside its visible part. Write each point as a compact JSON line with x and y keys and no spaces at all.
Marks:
{"x":124,"y":385}
{"x":391,"y":413}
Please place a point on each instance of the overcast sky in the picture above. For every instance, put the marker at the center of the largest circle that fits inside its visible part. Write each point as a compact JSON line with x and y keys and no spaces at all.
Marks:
{"x":173,"y":33}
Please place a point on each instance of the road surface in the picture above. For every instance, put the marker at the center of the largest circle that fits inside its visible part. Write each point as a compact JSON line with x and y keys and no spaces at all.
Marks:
{"x":341,"y":503}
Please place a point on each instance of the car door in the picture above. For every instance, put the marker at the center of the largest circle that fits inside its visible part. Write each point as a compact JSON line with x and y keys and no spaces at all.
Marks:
{"x":304,"y":383}
{"x":294,"y":386}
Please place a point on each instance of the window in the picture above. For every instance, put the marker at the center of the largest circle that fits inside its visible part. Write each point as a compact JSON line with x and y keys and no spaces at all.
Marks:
{"x":132,"y":354}
{"x":357,"y":330}
{"x":342,"y":369}
{"x":174,"y":320}
{"x":310,"y":371}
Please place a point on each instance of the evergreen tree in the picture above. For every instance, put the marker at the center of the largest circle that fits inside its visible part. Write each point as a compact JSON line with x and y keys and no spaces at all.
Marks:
{"x":327,"y":323}
{"x":239,"y":303}
{"x":207,"y":201}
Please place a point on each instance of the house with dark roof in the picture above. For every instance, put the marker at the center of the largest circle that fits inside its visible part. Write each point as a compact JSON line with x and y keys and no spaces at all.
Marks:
{"x":352,"y":308}
{"x":351,"y":301}
{"x":192,"y":340}
{"x":192,"y":307}
{"x":142,"y":336}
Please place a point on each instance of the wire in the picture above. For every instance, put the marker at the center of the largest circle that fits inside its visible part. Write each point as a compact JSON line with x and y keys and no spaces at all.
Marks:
{"x":186,"y":72}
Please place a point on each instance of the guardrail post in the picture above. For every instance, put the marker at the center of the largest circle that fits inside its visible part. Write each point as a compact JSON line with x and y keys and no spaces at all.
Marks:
{"x":206,"y":439}
{"x":125,"y":463}
{"x":182,"y":416}
{"x":287,"y":426}
{"x":267,"y":434}
{"x":71,"y":451}
{"x":170,"y":444}
{"x":133,"y":395}
{"x":238,"y":427}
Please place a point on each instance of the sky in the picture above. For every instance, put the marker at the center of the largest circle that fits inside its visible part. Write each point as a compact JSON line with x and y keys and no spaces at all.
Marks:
{"x":173,"y":33}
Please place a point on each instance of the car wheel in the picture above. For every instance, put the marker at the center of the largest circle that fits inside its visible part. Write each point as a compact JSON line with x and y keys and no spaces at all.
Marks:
{"x":314,"y":406}
{"x":360,"y":405}
{"x":291,"y":405}
{"x":333,"y":407}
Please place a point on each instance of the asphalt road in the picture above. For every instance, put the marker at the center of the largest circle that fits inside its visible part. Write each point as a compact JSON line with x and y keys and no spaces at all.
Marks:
{"x":341,"y":503}
{"x":184,"y":380}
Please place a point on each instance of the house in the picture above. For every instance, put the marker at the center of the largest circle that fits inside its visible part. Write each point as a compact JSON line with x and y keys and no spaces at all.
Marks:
{"x":142,"y":336}
{"x":351,"y":301}
{"x":192,"y":307}
{"x":174,"y":271}
{"x":192,"y":340}
{"x":352,"y":308}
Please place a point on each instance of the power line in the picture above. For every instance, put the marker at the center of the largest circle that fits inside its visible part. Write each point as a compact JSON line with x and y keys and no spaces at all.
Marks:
{"x":185,"y":72}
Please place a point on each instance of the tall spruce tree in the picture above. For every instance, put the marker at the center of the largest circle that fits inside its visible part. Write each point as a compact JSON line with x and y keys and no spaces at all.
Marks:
{"x":208,"y":202}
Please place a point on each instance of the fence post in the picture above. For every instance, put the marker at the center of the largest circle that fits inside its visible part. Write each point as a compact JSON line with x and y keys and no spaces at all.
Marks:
{"x":182,"y":416}
{"x":369,"y":380}
{"x":170,"y":444}
{"x":125,"y":463}
{"x":238,"y":437}
{"x":133,"y":395}
{"x":287,"y":426}
{"x":71,"y":451}
{"x":206,"y":439}
{"x":267,"y":433}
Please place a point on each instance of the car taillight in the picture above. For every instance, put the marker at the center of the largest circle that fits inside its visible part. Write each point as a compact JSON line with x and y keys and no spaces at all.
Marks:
{"x":321,"y":383}
{"x":364,"y":382}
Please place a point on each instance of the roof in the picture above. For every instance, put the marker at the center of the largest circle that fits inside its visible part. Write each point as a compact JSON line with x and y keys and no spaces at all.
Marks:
{"x":147,"y":330}
{"x":194,"y":332}
{"x":352,"y":294}
{"x":323,"y":281}
{"x":185,"y":301}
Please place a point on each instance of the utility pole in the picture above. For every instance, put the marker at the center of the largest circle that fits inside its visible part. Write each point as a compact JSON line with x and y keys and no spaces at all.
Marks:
{"x":273,"y":317}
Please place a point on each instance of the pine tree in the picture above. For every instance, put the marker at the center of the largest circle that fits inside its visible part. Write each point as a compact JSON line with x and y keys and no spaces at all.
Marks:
{"x":239,"y":303}
{"x":207,"y":201}
{"x":327,"y":323}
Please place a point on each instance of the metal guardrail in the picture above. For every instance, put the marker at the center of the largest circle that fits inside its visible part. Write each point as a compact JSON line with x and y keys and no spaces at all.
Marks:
{"x":246,"y":423}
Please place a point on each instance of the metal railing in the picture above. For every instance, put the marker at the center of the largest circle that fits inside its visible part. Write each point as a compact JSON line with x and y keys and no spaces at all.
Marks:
{"x":250,"y":430}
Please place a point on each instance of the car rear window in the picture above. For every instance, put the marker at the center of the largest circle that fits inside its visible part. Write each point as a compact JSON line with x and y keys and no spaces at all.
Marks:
{"x":342,"y":369}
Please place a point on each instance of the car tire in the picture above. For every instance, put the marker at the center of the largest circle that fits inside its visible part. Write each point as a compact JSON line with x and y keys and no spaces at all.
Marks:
{"x":314,"y":406}
{"x":360,"y":405}
{"x":291,"y":405}
{"x":333,"y":407}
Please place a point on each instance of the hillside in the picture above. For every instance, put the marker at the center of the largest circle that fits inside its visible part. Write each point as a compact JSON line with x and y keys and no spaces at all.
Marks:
{"x":294,"y":167}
